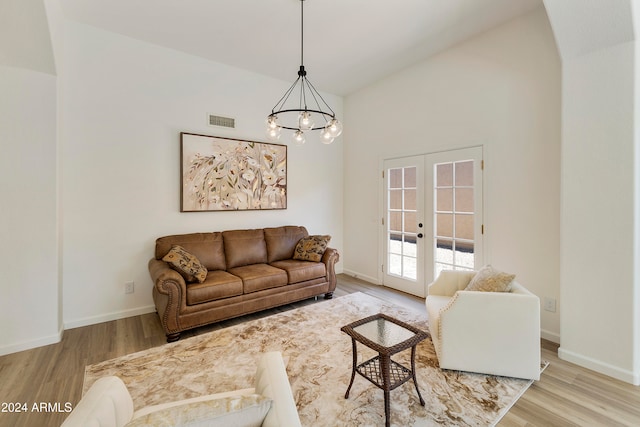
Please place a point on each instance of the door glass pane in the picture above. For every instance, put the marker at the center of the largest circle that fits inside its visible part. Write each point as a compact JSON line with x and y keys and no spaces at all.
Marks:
{"x":409,"y":177}
{"x":409,"y":268}
{"x":464,"y":226}
{"x":395,"y":243}
{"x":444,"y":175}
{"x":444,"y":199}
{"x":395,"y":178}
{"x":395,"y":264}
{"x":444,"y":225}
{"x":395,"y":221}
{"x":444,"y":252}
{"x":464,"y":173}
{"x":410,"y":199}
{"x":409,"y":246}
{"x":464,"y":254}
{"x":464,"y":200}
{"x":395,"y":199}
{"x":410,"y":222}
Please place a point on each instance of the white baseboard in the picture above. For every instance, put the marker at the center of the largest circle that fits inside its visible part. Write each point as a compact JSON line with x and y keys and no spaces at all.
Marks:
{"x":361,"y":276}
{"x":550,"y":336}
{"x":599,"y":366}
{"x":86,"y":321}
{"x":28,"y":345}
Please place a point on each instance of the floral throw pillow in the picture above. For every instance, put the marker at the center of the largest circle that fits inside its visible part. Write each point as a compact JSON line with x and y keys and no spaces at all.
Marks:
{"x":185,"y":263}
{"x":488,"y":279}
{"x":311,"y":248}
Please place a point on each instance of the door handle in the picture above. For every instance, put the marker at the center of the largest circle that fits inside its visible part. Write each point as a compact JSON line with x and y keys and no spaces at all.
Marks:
{"x":420,"y":235}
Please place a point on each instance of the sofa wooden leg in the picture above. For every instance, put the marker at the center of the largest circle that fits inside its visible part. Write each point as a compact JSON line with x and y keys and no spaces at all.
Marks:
{"x":328,"y":295}
{"x":173,"y":337}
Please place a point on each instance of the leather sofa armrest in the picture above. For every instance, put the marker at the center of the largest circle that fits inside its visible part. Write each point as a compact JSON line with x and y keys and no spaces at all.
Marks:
{"x":161,"y":272}
{"x":169,"y":294}
{"x":330,"y":258}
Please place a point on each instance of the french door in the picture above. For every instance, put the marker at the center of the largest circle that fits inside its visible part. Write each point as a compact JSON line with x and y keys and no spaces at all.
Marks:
{"x":432,"y":217}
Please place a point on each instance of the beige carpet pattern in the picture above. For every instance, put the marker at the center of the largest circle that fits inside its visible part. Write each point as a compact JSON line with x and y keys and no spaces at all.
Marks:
{"x":318,"y":359}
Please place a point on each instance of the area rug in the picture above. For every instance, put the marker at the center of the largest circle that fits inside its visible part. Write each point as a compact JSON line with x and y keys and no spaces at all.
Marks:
{"x":318,"y":359}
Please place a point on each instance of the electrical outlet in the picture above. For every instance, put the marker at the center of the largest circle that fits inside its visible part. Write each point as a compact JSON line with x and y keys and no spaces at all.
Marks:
{"x":129,"y":287}
{"x":550,"y":304}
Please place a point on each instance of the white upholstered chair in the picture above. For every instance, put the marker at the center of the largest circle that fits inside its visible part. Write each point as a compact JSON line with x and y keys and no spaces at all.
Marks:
{"x":494,"y":333}
{"x":108,"y":404}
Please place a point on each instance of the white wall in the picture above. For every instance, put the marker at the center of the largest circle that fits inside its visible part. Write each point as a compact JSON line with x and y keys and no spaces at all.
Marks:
{"x":599,"y":216}
{"x":500,"y":89}
{"x":125,"y":104}
{"x":598,"y":210}
{"x":28,"y":222}
{"x":24,"y":36}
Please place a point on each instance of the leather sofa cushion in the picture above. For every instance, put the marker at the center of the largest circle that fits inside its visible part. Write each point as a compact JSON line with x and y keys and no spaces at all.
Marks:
{"x":281,"y":241}
{"x":207,"y":247}
{"x":219,"y":284}
{"x":257,"y":277}
{"x":244,"y":247}
{"x":299,"y":271}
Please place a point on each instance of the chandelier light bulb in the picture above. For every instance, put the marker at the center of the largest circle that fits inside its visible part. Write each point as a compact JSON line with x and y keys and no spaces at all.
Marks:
{"x":298,"y":137}
{"x":273,"y":134}
{"x":305,"y":121}
{"x":325,"y":136}
{"x":272,"y":122}
{"x":334,"y":127}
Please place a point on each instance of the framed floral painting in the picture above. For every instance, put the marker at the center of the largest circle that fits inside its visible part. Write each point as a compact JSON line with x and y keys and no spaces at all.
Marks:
{"x":224,"y":174}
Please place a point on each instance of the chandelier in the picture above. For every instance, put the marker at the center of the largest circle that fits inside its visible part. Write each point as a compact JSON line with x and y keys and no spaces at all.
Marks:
{"x":310,"y":111}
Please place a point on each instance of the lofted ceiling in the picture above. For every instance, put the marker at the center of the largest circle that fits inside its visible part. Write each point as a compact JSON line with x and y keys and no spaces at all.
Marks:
{"x":348,"y":44}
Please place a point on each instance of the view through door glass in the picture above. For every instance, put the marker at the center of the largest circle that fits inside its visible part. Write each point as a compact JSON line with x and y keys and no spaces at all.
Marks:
{"x":402,"y":222}
{"x":454,"y":216}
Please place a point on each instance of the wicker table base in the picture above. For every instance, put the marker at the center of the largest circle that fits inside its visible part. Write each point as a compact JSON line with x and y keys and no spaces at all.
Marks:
{"x":387,"y":336}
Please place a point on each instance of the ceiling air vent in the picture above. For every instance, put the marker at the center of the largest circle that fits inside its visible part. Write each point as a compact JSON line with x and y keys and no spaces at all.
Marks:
{"x":226,"y":122}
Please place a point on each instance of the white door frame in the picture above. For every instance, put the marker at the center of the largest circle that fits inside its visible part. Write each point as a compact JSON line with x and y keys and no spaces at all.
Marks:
{"x":480,"y":206}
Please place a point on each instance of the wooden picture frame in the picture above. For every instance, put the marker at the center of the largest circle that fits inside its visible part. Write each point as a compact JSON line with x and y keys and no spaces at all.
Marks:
{"x":225,"y":174}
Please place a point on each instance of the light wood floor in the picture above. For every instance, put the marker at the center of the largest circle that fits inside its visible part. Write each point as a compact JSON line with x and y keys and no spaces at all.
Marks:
{"x":566,"y":395}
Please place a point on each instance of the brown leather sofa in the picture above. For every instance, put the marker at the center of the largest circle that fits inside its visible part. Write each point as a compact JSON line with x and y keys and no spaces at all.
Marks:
{"x":248,"y":271}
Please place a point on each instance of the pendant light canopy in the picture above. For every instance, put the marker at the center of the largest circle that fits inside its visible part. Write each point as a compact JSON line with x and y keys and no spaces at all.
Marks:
{"x":310,"y":112}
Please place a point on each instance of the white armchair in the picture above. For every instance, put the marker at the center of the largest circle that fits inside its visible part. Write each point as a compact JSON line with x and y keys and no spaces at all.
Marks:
{"x":494,"y":333}
{"x":269,"y":404}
